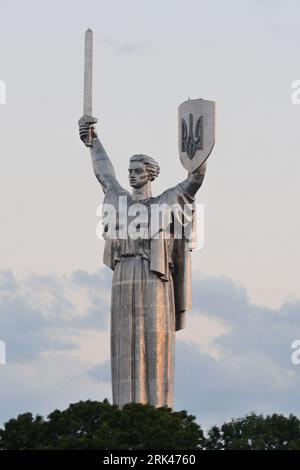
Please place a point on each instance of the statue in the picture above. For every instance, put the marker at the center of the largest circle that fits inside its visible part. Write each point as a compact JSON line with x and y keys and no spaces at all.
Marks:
{"x":151,"y":286}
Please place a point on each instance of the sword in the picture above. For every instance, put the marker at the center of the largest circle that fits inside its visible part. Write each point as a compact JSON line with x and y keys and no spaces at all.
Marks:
{"x":88,"y":84}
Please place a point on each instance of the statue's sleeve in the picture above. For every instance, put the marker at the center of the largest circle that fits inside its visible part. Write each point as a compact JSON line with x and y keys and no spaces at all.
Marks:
{"x":181,"y":252}
{"x":183,"y":210}
{"x":103,"y":168}
{"x":110,"y":207}
{"x":176,"y":194}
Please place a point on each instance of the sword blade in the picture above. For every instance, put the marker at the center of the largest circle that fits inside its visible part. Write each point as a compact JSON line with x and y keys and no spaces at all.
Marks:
{"x":88,"y":74}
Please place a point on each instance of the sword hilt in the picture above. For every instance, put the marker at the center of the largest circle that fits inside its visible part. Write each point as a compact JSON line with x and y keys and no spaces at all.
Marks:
{"x":89,"y":121}
{"x":89,"y":139}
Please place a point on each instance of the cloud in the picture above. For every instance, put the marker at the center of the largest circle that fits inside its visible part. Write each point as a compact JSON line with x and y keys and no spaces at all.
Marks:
{"x":125,"y":48}
{"x":101,"y":372}
{"x":51,"y":381}
{"x":55,"y":330}
{"x":46,"y":313}
{"x":244,"y":362}
{"x":234,"y":356}
{"x":251,"y":327}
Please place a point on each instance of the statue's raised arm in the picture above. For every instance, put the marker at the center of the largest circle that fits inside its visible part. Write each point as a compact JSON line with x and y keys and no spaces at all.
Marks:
{"x":194,"y":180}
{"x":102,"y":165}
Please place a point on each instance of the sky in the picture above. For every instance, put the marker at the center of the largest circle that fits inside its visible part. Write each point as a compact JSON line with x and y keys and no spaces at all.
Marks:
{"x":148,"y":58}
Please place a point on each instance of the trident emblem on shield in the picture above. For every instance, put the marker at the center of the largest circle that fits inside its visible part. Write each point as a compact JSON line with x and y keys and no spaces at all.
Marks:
{"x":191,"y":142}
{"x":196,"y":125}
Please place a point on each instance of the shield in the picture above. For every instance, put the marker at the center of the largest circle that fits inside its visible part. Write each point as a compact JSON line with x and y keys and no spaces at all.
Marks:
{"x":196,"y":126}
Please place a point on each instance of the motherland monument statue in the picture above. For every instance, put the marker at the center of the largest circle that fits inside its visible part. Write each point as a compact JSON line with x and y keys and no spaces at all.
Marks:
{"x":151,"y":286}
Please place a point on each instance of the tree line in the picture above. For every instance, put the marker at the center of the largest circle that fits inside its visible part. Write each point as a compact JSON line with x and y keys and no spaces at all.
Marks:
{"x":93,"y":425}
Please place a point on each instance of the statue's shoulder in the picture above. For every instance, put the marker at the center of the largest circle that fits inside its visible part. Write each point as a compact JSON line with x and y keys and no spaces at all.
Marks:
{"x":171,"y":195}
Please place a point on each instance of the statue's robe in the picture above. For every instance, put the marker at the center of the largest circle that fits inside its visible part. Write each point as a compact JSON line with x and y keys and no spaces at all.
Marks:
{"x":151,"y":290}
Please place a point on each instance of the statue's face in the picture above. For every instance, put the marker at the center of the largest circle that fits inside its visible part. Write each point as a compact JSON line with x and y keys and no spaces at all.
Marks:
{"x":138,"y":175}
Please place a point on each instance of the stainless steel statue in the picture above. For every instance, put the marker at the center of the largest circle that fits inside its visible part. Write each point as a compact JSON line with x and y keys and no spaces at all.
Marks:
{"x":151,"y":287}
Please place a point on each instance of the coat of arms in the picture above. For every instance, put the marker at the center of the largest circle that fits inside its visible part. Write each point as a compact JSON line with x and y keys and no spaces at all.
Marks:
{"x":196,"y":122}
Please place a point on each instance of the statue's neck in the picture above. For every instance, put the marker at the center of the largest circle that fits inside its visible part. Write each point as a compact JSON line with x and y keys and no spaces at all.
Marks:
{"x":144,"y":192}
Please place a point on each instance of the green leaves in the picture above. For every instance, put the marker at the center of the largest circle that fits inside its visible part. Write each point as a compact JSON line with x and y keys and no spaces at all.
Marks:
{"x":99,"y":425}
{"x":102,"y":426}
{"x":256,"y":432}
{"x":25,"y":432}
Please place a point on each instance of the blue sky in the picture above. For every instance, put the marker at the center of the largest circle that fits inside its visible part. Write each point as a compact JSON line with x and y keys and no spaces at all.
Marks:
{"x":149,"y":57}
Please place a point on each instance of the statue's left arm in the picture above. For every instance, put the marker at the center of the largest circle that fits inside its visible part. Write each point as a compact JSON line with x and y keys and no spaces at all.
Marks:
{"x":194,"y":180}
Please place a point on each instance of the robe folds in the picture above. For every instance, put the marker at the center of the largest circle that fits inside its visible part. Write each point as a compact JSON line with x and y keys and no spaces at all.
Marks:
{"x":151,"y":290}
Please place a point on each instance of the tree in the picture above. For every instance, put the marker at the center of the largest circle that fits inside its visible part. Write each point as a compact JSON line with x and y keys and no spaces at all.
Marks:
{"x":25,"y":432}
{"x":256,"y":432}
{"x":99,"y":425}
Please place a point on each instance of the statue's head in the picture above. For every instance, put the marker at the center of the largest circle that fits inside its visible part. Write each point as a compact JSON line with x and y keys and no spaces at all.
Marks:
{"x":141,"y":170}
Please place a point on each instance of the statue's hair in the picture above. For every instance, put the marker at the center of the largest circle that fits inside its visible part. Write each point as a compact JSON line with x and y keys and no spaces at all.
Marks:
{"x":151,"y":165}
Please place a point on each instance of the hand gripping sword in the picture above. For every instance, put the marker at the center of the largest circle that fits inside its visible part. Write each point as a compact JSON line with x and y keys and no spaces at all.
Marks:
{"x":88,"y":85}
